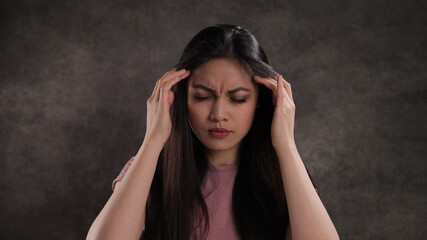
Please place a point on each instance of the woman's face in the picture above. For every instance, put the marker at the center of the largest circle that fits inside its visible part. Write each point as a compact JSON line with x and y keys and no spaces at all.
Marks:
{"x":221,"y":94}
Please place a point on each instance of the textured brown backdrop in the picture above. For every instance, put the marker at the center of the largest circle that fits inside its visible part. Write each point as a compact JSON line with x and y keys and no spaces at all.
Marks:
{"x":75,"y":77}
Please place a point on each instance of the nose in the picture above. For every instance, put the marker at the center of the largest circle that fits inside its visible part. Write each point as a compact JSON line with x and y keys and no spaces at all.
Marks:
{"x":218,"y":112}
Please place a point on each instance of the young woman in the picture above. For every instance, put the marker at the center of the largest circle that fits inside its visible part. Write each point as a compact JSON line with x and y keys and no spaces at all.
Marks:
{"x":219,"y":159}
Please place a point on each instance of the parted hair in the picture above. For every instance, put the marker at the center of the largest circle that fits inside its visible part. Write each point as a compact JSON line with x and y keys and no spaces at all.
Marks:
{"x":176,"y":208}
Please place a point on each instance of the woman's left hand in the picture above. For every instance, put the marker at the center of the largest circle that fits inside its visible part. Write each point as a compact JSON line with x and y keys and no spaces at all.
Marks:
{"x":282,"y":126}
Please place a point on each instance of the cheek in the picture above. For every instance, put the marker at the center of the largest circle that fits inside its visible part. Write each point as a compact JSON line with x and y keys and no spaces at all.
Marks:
{"x":195,"y":113}
{"x":247,"y":114}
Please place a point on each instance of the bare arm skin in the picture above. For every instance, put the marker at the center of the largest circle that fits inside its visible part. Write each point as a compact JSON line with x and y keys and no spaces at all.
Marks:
{"x":123,"y":216}
{"x":308,"y":217}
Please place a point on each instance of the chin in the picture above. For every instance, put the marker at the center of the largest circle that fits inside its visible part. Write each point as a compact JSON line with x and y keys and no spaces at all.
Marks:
{"x":218,"y":146}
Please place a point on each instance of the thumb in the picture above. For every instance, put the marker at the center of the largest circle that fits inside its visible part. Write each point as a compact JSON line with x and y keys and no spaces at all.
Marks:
{"x":171,"y":97}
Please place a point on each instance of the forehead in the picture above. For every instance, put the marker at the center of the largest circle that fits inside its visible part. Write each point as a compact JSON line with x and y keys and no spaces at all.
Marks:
{"x":221,"y":74}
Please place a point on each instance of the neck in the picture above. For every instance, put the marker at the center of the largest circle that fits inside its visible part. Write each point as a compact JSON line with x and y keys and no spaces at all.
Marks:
{"x":223,"y":158}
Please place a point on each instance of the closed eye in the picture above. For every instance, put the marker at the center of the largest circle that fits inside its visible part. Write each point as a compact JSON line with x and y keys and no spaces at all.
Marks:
{"x":200,"y":99}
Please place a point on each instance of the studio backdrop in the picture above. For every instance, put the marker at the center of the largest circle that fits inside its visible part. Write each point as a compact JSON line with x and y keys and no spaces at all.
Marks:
{"x":75,"y":77}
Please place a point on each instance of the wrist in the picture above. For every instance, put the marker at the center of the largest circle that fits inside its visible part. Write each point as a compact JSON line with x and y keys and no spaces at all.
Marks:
{"x":290,"y":145}
{"x":287,"y":153}
{"x":153,"y":142}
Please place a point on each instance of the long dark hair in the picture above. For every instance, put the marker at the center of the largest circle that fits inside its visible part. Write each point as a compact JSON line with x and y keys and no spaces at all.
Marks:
{"x":176,"y":208}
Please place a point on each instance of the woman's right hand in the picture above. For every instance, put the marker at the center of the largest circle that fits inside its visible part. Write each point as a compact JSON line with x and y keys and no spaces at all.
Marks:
{"x":159,"y":123}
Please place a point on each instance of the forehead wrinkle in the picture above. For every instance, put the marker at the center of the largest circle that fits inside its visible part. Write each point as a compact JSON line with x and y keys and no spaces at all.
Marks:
{"x":218,"y":76}
{"x":200,"y":84}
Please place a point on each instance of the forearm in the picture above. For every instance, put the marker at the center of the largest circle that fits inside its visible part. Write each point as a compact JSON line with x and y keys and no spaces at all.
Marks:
{"x":308,"y":217}
{"x":123,"y":216}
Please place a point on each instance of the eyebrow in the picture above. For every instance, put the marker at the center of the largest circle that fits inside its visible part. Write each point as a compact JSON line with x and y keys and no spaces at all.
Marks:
{"x":213,"y":91}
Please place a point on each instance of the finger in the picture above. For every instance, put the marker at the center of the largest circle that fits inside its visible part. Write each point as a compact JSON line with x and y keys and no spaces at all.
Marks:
{"x":176,"y":79}
{"x":283,"y":83}
{"x":171,"y":96}
{"x":268,"y":82}
{"x":171,"y":76}
{"x":179,"y":74}
{"x":169,"y":73}
{"x":271,"y":84}
{"x":167,"y":78}
{"x":166,"y":98}
{"x":161,"y":98}
{"x":280,"y":92}
{"x":288,"y":88}
{"x":156,"y":91}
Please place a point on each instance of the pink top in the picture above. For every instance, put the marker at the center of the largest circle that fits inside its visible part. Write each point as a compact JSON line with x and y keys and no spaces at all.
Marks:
{"x":217,"y":191}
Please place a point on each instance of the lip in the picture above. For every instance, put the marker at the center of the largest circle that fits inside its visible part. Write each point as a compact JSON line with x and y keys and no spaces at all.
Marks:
{"x":219,"y":134}
{"x":219,"y":130}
